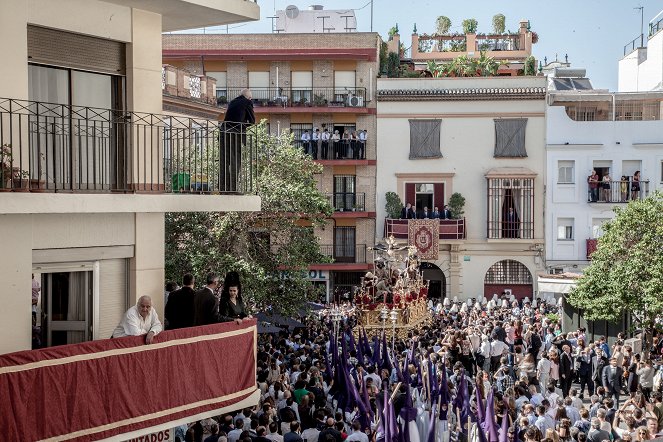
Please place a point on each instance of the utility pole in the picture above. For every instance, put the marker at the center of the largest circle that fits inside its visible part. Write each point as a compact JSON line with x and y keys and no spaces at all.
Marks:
{"x":642,"y":25}
{"x":371,"y":15}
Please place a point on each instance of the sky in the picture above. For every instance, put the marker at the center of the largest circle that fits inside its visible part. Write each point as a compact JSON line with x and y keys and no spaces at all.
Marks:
{"x":592,"y":32}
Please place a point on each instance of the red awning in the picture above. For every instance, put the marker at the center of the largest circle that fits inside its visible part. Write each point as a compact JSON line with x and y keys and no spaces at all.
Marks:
{"x":109,"y":387}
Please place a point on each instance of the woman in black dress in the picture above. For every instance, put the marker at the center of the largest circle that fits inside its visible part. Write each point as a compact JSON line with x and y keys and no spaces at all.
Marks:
{"x":231,"y":305}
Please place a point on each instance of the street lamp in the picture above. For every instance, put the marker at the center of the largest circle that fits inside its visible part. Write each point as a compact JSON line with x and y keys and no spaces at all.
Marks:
{"x":393,"y":316}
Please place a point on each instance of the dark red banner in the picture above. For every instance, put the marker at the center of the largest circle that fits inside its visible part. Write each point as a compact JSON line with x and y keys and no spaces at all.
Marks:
{"x":104,"y":388}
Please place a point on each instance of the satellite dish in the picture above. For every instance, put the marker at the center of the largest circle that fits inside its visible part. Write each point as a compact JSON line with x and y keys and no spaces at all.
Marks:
{"x":291,"y":11}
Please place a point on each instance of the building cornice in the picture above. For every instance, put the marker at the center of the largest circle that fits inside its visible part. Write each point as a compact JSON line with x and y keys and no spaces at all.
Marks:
{"x":519,"y":93}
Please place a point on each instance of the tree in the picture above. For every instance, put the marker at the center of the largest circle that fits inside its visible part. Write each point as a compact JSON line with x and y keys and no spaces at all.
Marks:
{"x":499,"y":23}
{"x":470,"y":25}
{"x":393,"y":65}
{"x":394,"y":205}
{"x":626,"y":271}
{"x":457,"y":205}
{"x":271,"y":249}
{"x":442,"y":25}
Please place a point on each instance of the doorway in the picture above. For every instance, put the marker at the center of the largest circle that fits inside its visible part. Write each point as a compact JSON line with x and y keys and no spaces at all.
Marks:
{"x":437,"y":282}
{"x":66,"y":310}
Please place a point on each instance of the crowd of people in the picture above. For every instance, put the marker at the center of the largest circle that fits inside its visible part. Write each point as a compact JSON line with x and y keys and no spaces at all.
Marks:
{"x":496,"y":371}
{"x":409,"y":212}
{"x":334,"y":146}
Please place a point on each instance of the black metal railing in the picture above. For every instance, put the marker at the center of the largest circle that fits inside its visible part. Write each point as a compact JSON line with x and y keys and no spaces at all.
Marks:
{"x":348,"y":149}
{"x":634,"y":44}
{"x":345,"y":252}
{"x":301,"y":97}
{"x":56,"y":147}
{"x":347,"y":201}
{"x":655,"y":27}
{"x":617,"y":191}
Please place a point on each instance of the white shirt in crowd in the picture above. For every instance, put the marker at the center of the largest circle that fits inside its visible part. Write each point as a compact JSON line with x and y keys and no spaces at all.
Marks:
{"x":276,"y":437}
{"x":497,"y":348}
{"x":325,"y":136}
{"x":306,"y":136}
{"x":362,"y":137}
{"x":357,"y":436}
{"x":133,"y":324}
{"x":310,"y":435}
{"x":233,"y":435}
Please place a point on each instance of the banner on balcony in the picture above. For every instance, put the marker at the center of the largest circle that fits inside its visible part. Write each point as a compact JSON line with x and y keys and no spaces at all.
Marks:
{"x":424,"y":235}
{"x":122,"y":388}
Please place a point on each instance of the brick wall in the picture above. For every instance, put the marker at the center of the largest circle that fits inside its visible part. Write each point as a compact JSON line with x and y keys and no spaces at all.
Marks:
{"x":237,"y":74}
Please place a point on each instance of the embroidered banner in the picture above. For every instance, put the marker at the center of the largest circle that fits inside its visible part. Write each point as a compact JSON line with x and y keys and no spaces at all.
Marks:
{"x":424,"y":234}
{"x":112,"y":387}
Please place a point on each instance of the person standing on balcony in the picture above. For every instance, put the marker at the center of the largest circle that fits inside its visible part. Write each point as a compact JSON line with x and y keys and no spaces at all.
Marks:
{"x":179,"y":308}
{"x":354,"y":145}
{"x":446,"y":213}
{"x":205,"y":302}
{"x":347,"y":140}
{"x":436,"y":213}
{"x":635,"y":185}
{"x":324,"y":144}
{"x":593,"y":182}
{"x":231,"y":305}
{"x":336,"y":140}
{"x":605,"y":187}
{"x":408,"y":212}
{"x":315,"y":144}
{"x":140,"y":320}
{"x":239,"y":116}
{"x":306,"y":142}
{"x":362,"y":144}
{"x":425,"y":214}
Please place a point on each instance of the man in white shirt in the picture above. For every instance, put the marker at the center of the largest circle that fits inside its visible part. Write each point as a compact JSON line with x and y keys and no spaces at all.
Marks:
{"x":233,"y":435}
{"x":314,"y":145}
{"x":273,"y":434}
{"x":357,"y":435}
{"x":362,"y":144}
{"x":497,"y":349}
{"x":306,"y":141}
{"x":139,"y":320}
{"x":310,"y":435}
{"x":324,"y":137}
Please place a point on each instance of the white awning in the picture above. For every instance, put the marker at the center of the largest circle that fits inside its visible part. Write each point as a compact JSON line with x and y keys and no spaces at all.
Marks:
{"x":555,"y":285}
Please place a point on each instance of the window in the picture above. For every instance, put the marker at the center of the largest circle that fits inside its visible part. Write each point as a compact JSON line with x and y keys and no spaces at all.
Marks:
{"x":597,"y":227}
{"x":425,"y":139}
{"x":259,"y":85}
{"x":298,"y":129}
{"x":345,"y":197}
{"x":302,"y":87}
{"x":510,"y":208}
{"x":565,"y":229}
{"x":424,"y":197}
{"x":510,"y":137}
{"x":508,"y":271}
{"x":344,"y":85}
{"x":344,"y":244}
{"x":566,"y":172}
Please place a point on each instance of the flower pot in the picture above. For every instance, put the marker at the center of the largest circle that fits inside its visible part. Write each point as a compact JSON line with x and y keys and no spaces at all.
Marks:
{"x":21,"y":184}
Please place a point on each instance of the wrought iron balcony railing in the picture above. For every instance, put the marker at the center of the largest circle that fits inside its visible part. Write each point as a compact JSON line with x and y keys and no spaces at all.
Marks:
{"x":334,"y":150}
{"x":347,"y":201}
{"x":300,"y":97}
{"x":345,"y":252}
{"x":62,"y":148}
{"x":617,"y":191}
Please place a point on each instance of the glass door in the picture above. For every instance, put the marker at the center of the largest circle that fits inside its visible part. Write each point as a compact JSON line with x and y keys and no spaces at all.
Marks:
{"x":67,"y":305}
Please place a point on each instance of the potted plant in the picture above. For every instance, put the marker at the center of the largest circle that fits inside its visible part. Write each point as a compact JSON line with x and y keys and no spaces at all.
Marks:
{"x":470,"y":25}
{"x":319,"y":100}
{"x":499,"y":23}
{"x":5,"y":167}
{"x":394,"y":205}
{"x":20,"y":180}
{"x":457,"y":205}
{"x":356,"y":207}
{"x":222,"y":100}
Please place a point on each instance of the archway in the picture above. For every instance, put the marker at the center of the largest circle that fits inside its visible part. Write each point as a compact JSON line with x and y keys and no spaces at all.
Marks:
{"x":508,"y":276}
{"x":437,"y":282}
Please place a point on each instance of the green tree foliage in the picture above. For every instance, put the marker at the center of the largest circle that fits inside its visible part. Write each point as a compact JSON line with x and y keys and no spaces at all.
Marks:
{"x":393,"y":65}
{"x":393,"y":206}
{"x":470,"y":25}
{"x":626,"y":271}
{"x":393,"y":31}
{"x":499,"y":23}
{"x":457,"y":205}
{"x":259,"y":245}
{"x":530,"y":66}
{"x":442,"y":25}
{"x":464,"y":66}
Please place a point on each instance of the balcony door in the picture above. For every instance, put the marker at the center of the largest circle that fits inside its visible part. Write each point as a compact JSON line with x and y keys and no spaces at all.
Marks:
{"x":345,"y":249}
{"x":75,"y":140}
{"x":345,"y":187}
{"x":66,"y":307}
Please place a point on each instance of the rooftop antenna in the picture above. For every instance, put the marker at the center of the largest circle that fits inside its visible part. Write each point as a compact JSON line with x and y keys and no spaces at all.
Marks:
{"x":642,"y":25}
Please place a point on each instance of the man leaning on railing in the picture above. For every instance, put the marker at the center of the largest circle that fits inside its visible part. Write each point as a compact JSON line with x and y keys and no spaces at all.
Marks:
{"x":239,"y":116}
{"x":140,"y":320}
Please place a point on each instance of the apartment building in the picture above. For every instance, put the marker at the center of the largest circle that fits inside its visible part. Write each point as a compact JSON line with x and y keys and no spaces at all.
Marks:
{"x":641,"y":68}
{"x":615,"y":134}
{"x":303,"y":82}
{"x":83,"y":160}
{"x":484,"y":138}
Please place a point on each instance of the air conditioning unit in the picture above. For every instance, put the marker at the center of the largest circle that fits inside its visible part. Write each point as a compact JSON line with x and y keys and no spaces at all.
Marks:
{"x":355,"y":101}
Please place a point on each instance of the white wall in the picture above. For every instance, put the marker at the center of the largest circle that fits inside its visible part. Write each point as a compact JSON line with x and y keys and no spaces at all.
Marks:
{"x":642,"y":70}
{"x":590,"y":142}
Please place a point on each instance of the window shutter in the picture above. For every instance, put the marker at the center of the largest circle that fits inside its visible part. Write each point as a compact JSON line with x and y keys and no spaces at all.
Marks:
{"x":410,"y":194}
{"x":438,"y":195}
{"x":510,"y":137}
{"x":425,"y":139}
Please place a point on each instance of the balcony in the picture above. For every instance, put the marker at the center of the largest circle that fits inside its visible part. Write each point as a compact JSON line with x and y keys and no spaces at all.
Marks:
{"x":509,"y":42}
{"x":304,"y":100}
{"x":619,"y":192}
{"x":349,"y":152}
{"x":450,"y":229}
{"x":592,"y":243}
{"x":344,"y":253}
{"x":347,"y":202}
{"x":50,"y":147}
{"x":636,"y":43}
{"x":56,"y":393}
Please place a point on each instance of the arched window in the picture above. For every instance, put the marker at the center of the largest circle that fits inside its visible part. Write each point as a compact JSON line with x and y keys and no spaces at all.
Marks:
{"x":508,"y":271}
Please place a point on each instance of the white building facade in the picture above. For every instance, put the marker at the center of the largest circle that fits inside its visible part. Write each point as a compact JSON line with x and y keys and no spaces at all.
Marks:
{"x":615,"y":134}
{"x":641,"y":68}
{"x":481,"y":137}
